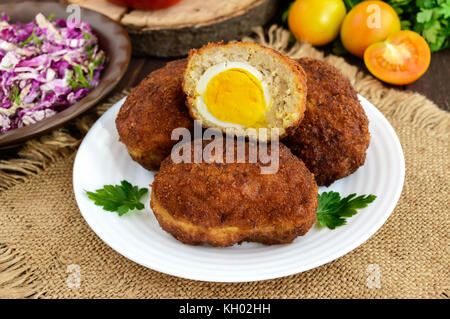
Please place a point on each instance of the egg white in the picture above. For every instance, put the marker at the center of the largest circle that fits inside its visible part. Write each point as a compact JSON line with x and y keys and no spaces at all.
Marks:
{"x":217,"y":69}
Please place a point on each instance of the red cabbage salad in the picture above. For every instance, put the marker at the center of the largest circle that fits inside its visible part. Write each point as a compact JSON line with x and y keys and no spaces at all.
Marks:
{"x":45,"y":66}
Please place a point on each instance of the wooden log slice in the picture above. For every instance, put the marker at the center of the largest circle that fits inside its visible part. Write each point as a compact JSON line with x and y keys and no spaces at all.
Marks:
{"x":172,"y":32}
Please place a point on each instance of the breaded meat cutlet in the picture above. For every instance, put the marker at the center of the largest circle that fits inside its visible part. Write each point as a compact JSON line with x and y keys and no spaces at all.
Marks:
{"x":151,"y":112}
{"x":241,"y":85}
{"x":222,"y":204}
{"x":333,"y":137}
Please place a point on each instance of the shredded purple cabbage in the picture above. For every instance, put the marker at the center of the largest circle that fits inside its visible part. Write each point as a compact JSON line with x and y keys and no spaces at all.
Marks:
{"x":45,"y":67}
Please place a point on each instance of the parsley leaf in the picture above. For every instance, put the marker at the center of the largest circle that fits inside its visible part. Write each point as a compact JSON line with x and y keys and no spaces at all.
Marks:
{"x":77,"y":79}
{"x":33,"y":37}
{"x":118,"y":198}
{"x":94,"y":65}
{"x":351,"y":3}
{"x":425,"y":3}
{"x":285,"y":15}
{"x":87,"y":36}
{"x":332,"y":210}
{"x":429,"y":18}
{"x":14,"y":95}
{"x":28,"y":40}
{"x":424,"y":16}
{"x":81,"y":79}
{"x":430,"y":32}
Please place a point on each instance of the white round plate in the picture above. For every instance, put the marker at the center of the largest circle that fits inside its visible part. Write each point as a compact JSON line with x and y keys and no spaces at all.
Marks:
{"x":102,"y":159}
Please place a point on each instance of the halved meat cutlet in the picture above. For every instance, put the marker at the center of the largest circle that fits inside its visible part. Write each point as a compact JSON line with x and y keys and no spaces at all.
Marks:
{"x":282,"y":81}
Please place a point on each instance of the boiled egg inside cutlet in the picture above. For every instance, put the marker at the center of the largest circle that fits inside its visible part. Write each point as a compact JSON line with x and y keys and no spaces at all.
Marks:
{"x":233,"y":94}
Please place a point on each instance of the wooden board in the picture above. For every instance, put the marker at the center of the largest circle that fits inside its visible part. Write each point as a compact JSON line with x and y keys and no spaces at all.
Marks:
{"x":110,"y":10}
{"x":189,"y":24}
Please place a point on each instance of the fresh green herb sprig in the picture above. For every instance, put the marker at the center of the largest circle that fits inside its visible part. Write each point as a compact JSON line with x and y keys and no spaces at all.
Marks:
{"x":332,"y":210}
{"x":77,"y":79}
{"x":33,"y":37}
{"x":430,"y":18}
{"x":87,"y":36}
{"x":119,"y":198}
{"x":94,"y":64}
{"x":14,"y":95}
{"x":285,"y":15}
{"x":351,"y":3}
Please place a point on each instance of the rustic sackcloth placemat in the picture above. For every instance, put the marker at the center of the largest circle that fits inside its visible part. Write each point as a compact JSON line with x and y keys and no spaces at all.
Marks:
{"x":42,"y":231}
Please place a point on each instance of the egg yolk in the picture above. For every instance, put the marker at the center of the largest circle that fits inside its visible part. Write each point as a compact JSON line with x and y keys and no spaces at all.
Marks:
{"x":236,"y":96}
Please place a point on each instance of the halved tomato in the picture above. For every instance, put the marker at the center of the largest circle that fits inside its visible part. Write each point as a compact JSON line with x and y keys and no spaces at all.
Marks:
{"x":401,"y":59}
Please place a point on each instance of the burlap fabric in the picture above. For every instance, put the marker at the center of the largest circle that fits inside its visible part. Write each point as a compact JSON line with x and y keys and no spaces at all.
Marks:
{"x":42,"y":231}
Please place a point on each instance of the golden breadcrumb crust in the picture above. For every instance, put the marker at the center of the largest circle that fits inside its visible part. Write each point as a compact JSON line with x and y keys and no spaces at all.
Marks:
{"x":333,"y":137}
{"x":222,"y":204}
{"x":151,"y":112}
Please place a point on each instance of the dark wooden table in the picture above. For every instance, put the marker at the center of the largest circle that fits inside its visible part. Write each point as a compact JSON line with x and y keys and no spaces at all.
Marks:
{"x":435,"y":84}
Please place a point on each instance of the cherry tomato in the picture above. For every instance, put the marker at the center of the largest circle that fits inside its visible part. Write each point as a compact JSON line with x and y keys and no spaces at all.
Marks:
{"x":316,"y":21}
{"x":146,"y":4}
{"x":366,"y":23}
{"x":401,"y":59}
